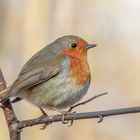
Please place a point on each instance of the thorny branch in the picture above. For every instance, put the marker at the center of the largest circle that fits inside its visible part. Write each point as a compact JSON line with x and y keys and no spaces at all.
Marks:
{"x":16,"y":126}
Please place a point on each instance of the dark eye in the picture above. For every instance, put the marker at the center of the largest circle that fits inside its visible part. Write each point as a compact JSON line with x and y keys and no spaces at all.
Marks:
{"x":73,"y":45}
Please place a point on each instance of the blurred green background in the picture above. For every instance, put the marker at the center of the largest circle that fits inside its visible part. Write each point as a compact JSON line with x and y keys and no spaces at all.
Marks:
{"x":28,"y":25}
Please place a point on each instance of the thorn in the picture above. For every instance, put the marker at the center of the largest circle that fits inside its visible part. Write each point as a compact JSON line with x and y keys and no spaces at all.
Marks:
{"x":100,"y":118}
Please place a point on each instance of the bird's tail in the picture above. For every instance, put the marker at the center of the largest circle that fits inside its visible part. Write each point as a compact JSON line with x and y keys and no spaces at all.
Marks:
{"x":4,"y":95}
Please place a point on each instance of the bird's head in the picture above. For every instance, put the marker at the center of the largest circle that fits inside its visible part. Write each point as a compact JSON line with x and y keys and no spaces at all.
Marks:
{"x":74,"y":46}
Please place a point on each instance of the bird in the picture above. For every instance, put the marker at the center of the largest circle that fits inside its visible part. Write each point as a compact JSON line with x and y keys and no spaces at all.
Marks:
{"x":56,"y":77}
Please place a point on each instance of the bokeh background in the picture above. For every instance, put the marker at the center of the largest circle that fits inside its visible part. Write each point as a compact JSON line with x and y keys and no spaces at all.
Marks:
{"x":27,"y":25}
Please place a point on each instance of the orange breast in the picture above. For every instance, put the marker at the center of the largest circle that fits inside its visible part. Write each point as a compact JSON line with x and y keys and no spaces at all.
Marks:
{"x":78,"y":61}
{"x":80,"y":70}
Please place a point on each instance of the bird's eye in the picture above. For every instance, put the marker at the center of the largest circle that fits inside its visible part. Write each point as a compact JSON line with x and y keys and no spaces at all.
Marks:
{"x":73,"y":45}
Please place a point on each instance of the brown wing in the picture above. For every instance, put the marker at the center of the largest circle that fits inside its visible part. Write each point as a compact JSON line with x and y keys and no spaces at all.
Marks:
{"x":32,"y":78}
{"x":41,"y":67}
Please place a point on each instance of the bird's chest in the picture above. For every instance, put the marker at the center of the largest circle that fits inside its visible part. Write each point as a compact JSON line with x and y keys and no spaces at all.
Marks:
{"x":72,"y":84}
{"x":66,"y":90}
{"x":79,"y":70}
{"x":63,"y":90}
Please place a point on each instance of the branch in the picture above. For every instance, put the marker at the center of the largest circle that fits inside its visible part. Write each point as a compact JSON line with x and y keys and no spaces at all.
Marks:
{"x":9,"y":112}
{"x":15,"y":126}
{"x":77,"y":116}
{"x":82,"y":103}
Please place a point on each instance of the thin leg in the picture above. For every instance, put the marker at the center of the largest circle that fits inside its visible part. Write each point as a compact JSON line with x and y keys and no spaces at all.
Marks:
{"x":44,"y":114}
{"x":63,"y":114}
{"x":59,"y":110}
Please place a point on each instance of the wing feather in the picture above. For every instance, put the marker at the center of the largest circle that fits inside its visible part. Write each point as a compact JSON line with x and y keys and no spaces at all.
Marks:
{"x":31,"y":79}
{"x":41,"y":67}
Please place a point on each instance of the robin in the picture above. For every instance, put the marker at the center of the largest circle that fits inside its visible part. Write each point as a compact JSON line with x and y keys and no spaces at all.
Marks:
{"x":56,"y":77}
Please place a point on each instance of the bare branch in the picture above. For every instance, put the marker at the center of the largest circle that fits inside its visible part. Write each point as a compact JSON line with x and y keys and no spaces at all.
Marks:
{"x":77,"y":116}
{"x":9,"y":112}
{"x":15,"y":126}
{"x":82,"y":103}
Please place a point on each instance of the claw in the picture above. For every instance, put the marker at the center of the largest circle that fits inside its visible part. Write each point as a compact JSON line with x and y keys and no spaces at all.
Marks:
{"x":66,"y":122}
{"x":63,"y":119}
{"x":44,"y":126}
{"x":44,"y":114}
{"x":71,"y":123}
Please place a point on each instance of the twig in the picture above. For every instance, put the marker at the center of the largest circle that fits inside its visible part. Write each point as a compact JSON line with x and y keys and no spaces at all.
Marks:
{"x":77,"y":116}
{"x":82,"y":103}
{"x":9,"y":112}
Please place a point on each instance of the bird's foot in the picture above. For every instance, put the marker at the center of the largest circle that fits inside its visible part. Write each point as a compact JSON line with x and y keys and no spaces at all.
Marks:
{"x":44,"y":114}
{"x":67,"y":121}
{"x":63,"y":114}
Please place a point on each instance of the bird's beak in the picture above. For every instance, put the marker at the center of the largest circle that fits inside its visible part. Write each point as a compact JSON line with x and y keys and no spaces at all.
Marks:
{"x":91,"y":46}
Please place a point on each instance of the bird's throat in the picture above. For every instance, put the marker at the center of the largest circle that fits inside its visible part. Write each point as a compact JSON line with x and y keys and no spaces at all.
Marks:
{"x":79,"y":70}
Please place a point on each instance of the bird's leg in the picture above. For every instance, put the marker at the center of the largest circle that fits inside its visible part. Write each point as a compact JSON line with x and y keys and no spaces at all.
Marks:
{"x":63,"y":116}
{"x":44,"y":114}
{"x":61,"y":112}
